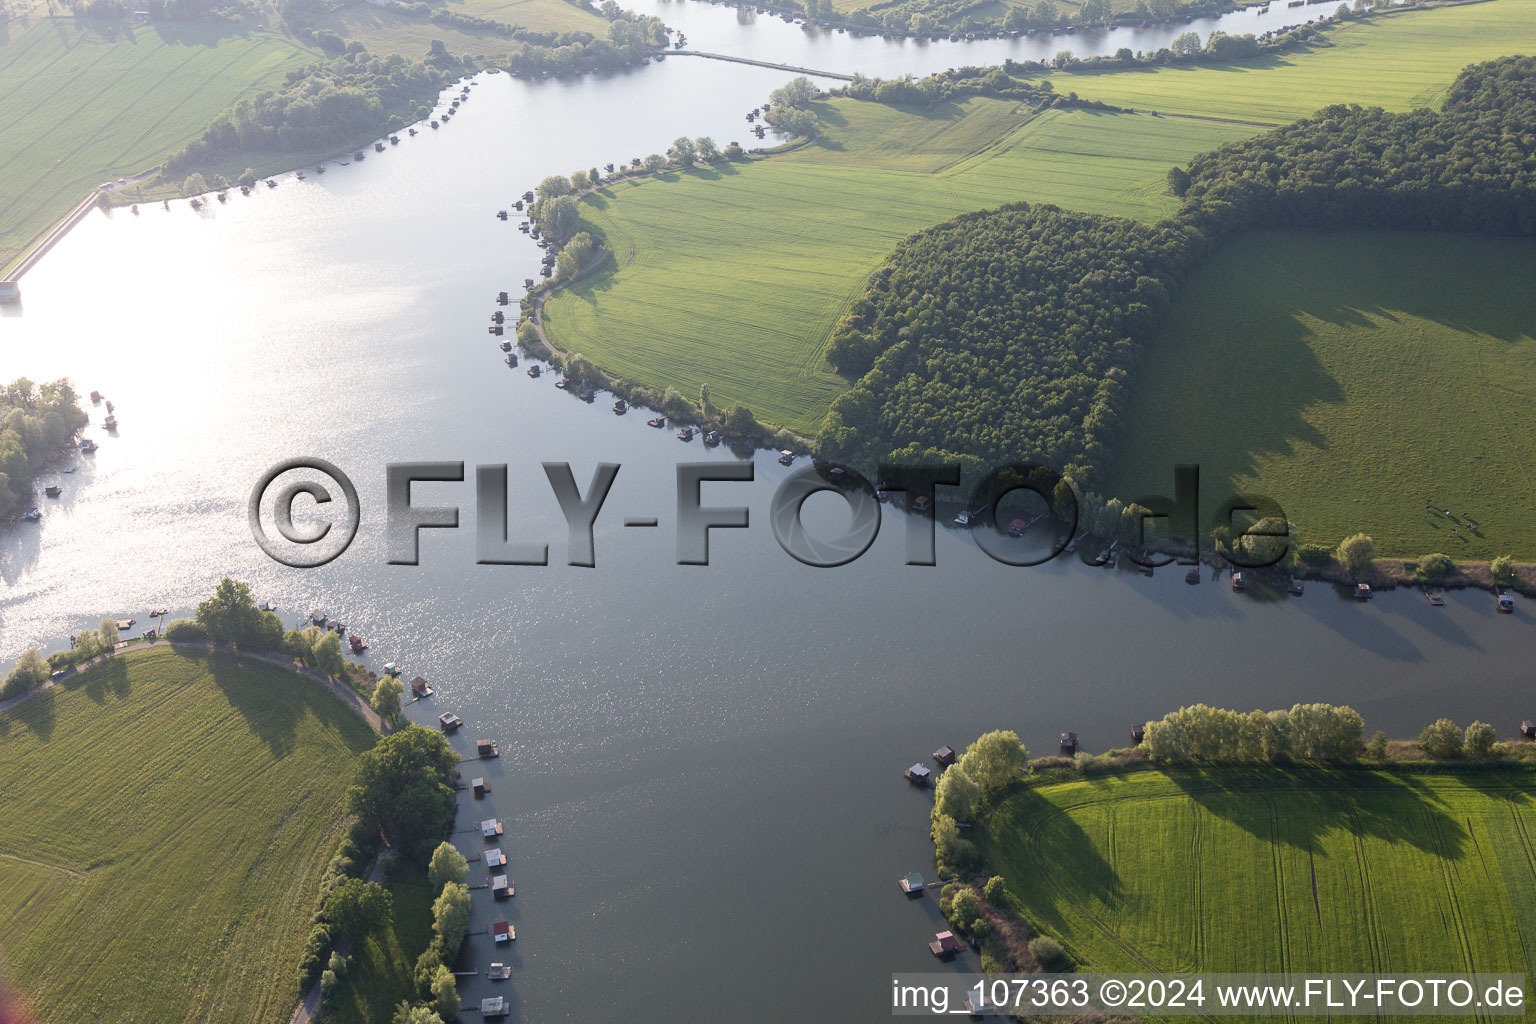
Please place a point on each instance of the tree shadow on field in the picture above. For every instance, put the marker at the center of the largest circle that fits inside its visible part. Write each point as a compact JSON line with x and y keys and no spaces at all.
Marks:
{"x":1299,"y":806}
{"x":1229,"y":379}
{"x":1265,"y":63}
{"x":37,"y":714}
{"x":109,"y":678}
{"x":272,"y":707}
{"x":274,"y":700}
{"x":828,"y":114}
{"x":1409,"y":280}
{"x":1236,"y":378}
{"x":1047,"y":841}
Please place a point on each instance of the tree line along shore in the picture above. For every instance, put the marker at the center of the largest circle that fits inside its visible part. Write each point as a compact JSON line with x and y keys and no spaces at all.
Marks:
{"x":1270,"y":819}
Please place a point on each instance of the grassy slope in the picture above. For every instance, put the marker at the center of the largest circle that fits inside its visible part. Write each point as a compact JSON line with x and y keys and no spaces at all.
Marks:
{"x":1350,"y":377}
{"x":167,"y":818}
{"x":385,"y":31}
{"x":734,"y":277}
{"x":95,"y":104}
{"x":1397,"y":61}
{"x":1215,"y":871}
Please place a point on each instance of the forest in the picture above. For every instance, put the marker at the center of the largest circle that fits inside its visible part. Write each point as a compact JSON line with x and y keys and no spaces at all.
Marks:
{"x":1011,"y":335}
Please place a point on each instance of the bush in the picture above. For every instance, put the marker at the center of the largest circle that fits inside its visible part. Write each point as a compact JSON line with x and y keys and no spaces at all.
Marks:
{"x":1442,"y":740}
{"x":185,"y":631}
{"x":1178,"y":181}
{"x":956,"y":795}
{"x":31,"y":671}
{"x":316,"y":949}
{"x":1315,"y":555}
{"x":389,"y":863}
{"x":1434,"y":568}
{"x":1479,"y":739}
{"x":953,"y":854}
{"x":995,"y":761}
{"x":426,"y":968}
{"x":1048,"y":952}
{"x":1357,"y":553}
{"x":965,"y":909}
{"x":1503,"y":568}
{"x":450,"y":917}
{"x":405,"y":1013}
{"x":445,"y":993}
{"x":1376,"y":750}
{"x":447,"y":865}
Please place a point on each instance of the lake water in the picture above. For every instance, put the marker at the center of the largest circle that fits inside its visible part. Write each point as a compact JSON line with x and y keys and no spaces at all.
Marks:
{"x":701,"y":771}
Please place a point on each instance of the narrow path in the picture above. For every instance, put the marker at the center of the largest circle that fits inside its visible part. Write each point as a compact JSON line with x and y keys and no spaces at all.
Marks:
{"x":1205,"y":117}
{"x":537,"y":316}
{"x":762,"y":64}
{"x":343,"y":692}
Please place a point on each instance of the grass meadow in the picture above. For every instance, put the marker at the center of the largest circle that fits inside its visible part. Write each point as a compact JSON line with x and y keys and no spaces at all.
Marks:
{"x":1350,"y":377}
{"x":1241,"y":870}
{"x":167,"y":818}
{"x":734,"y":276}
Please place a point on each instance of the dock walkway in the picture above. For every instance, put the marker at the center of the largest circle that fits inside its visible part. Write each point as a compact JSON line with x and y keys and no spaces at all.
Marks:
{"x":762,"y":64}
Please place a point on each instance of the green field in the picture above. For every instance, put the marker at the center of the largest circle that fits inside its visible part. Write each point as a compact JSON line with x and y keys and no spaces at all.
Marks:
{"x":96,"y":101}
{"x":167,"y":818}
{"x":1351,"y":376}
{"x":1397,"y":61}
{"x":1242,"y":870}
{"x":733,"y":277}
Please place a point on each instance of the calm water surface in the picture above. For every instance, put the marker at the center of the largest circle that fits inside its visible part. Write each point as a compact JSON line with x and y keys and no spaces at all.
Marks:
{"x":701,"y":766}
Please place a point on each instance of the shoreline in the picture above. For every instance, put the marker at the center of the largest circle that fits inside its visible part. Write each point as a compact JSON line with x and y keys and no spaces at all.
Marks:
{"x":340,"y":690}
